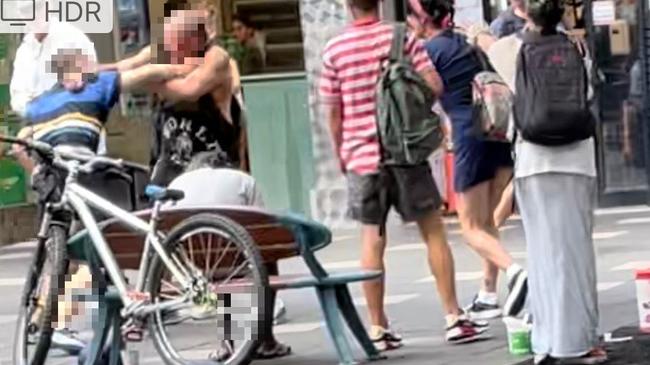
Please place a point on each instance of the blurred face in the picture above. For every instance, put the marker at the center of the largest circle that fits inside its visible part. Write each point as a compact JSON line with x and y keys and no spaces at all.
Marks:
{"x":518,"y":5}
{"x":182,"y":34}
{"x":241,"y":32}
{"x":74,"y":67}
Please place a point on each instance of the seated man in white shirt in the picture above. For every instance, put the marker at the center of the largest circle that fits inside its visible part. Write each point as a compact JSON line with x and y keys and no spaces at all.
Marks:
{"x":211,"y":179}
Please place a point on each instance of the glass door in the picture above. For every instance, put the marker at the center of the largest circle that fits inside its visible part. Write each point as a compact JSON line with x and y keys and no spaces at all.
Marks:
{"x":614,"y":30}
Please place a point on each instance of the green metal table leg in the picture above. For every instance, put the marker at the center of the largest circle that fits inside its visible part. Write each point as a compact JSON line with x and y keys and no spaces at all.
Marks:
{"x":351,"y":316}
{"x":327,"y":298}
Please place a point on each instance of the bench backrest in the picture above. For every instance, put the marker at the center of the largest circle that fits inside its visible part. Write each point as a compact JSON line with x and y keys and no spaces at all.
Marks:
{"x":274,"y":238}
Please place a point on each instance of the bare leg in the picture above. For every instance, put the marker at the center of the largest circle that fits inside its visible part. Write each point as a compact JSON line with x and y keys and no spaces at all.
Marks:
{"x":441,"y":261}
{"x":478,"y":225}
{"x":372,"y":258}
{"x":501,"y":198}
{"x":504,"y":209}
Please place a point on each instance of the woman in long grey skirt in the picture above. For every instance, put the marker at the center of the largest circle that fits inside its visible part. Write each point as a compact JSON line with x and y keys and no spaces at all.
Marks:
{"x":555,"y":189}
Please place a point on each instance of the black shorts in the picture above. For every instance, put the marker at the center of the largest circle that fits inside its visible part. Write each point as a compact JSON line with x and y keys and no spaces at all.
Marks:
{"x":410,"y":190}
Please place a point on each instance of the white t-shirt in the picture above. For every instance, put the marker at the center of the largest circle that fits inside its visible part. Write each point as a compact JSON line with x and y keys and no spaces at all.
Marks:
{"x":30,"y":72}
{"x":222,"y":186}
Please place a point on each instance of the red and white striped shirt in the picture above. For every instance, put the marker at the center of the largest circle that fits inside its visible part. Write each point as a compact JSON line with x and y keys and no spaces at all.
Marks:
{"x":352,"y":65}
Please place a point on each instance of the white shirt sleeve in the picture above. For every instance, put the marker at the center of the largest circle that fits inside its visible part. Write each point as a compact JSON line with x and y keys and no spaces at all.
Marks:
{"x":20,"y":87}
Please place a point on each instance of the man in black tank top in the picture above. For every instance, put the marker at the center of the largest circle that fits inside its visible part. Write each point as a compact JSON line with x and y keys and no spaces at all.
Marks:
{"x":184,"y":129}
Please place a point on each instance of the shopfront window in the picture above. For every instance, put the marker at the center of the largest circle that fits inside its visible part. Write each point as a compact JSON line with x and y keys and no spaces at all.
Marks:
{"x":132,"y":36}
{"x":134,"y":25}
{"x":623,"y":162}
{"x":263,"y":36}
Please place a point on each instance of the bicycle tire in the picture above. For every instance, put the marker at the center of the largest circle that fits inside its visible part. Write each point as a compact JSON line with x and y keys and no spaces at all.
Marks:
{"x":240,"y":237}
{"x":52,"y":250}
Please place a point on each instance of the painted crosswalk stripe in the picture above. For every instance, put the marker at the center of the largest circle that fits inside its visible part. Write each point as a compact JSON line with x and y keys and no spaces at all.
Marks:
{"x":519,"y":254}
{"x":507,"y":228}
{"x":28,"y":244}
{"x":12,"y":282}
{"x":634,"y":221}
{"x":624,"y":210}
{"x":353,"y":264}
{"x":460,"y":276}
{"x":292,"y":328}
{"x":16,"y":256}
{"x":632,"y":265}
{"x":345,"y":238}
{"x":413,"y":247}
{"x":608,"y":235}
{"x":609,"y":285}
{"x":389,"y":300}
{"x":407,"y":247}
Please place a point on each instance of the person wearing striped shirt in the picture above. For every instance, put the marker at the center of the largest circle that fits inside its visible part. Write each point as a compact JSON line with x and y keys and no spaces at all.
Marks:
{"x":352,"y":64}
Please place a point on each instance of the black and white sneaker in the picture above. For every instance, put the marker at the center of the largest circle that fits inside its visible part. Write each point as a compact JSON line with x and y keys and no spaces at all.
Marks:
{"x":385,"y":339}
{"x":516,"y":300}
{"x":482,"y":311}
{"x":466,"y":331}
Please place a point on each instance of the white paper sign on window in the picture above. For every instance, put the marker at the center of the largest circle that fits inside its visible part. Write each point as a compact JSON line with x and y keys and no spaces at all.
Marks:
{"x":604,"y":12}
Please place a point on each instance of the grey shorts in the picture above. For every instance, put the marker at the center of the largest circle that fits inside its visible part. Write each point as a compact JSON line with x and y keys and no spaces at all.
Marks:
{"x":410,"y":190}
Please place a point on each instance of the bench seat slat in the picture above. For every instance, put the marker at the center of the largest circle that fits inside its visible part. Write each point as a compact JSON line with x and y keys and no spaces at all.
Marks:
{"x":301,"y":281}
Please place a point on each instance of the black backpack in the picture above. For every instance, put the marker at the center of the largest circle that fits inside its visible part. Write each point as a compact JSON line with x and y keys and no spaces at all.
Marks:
{"x":551,"y":105}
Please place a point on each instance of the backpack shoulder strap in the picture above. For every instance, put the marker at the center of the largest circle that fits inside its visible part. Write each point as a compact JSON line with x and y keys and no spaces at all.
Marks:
{"x":397,"y":47}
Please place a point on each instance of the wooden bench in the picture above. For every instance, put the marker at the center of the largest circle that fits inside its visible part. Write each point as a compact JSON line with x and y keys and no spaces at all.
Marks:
{"x":277,"y":237}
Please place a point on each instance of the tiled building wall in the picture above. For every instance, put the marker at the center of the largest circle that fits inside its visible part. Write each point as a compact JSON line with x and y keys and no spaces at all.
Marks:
{"x":322,"y":19}
{"x":17,"y":224}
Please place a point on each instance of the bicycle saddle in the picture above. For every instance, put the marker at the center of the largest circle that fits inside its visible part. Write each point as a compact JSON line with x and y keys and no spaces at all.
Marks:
{"x":159,"y":193}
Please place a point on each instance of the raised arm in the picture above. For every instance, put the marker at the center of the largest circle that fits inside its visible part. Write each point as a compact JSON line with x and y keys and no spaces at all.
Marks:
{"x":140,"y":59}
{"x":142,"y":78}
{"x":214,"y":72}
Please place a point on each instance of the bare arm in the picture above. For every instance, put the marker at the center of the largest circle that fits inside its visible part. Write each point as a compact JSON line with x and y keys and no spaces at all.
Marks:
{"x":214,"y":71}
{"x":335,"y":121}
{"x":434,"y":81}
{"x":143,"y":77}
{"x":142,"y":58}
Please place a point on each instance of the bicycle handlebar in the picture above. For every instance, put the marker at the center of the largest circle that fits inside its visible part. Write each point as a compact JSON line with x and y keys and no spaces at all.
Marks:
{"x":90,"y":162}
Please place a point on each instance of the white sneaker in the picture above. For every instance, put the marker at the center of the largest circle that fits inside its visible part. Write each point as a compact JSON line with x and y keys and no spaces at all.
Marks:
{"x":67,"y":341}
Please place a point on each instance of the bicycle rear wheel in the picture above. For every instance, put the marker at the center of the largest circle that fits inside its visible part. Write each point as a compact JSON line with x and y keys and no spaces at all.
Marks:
{"x":39,"y":301}
{"x":229,"y":283}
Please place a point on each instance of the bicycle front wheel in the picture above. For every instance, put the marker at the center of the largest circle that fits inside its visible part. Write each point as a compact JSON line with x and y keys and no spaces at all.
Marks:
{"x":222,"y":319}
{"x":39,"y":302}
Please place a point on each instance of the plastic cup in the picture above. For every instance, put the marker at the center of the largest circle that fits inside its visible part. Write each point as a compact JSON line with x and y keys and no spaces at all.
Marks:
{"x":518,"y":336}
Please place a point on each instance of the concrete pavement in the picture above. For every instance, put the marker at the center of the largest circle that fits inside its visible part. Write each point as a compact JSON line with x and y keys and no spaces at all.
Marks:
{"x":622,"y":245}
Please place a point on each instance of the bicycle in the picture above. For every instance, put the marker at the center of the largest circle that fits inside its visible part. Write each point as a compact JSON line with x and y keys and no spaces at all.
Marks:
{"x":170,"y":279}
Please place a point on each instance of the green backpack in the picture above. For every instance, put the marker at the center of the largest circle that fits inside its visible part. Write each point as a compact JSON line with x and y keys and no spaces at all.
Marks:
{"x":408,"y":128}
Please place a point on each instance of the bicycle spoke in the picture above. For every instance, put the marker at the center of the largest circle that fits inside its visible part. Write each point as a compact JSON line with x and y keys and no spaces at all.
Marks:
{"x":221,"y":257}
{"x":208,"y":253}
{"x":235,"y":260}
{"x":191,"y":244}
{"x":239,"y":268}
{"x":171,"y":286}
{"x":203,"y":245}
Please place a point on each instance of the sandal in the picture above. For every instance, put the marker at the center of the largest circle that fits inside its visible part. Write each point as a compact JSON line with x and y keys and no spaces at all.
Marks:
{"x":594,"y":357}
{"x":275,"y":351}
{"x":223,"y":353}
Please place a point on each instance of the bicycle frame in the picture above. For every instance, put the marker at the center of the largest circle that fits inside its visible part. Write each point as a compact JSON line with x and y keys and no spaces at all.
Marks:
{"x":81,"y":200}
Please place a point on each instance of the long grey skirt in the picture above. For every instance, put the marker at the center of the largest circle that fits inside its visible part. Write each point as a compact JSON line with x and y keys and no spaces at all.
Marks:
{"x":557,"y":213}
